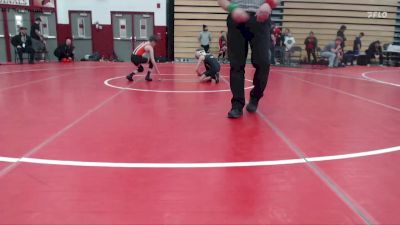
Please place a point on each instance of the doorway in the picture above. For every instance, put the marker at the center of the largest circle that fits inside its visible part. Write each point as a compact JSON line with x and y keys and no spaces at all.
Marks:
{"x":81,"y":25}
{"x":129,"y":30}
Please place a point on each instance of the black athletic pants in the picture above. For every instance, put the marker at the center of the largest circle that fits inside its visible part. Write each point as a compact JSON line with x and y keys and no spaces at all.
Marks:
{"x":239,"y":37}
{"x":206,"y":48}
{"x":371,"y":55}
{"x":27,"y":49}
{"x":309,"y":53}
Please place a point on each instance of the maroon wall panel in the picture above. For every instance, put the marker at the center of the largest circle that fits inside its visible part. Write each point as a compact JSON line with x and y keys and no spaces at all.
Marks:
{"x":63,"y":32}
{"x":103,"y":40}
{"x":161,"y":49}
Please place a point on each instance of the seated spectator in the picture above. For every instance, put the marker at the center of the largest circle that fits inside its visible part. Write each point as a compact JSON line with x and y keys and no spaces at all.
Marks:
{"x":374,"y":51}
{"x":311,"y":44}
{"x":65,"y":52}
{"x":23,"y":44}
{"x":334,"y":52}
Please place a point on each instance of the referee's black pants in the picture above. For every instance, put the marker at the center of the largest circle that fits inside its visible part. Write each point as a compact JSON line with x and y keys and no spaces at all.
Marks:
{"x":239,"y":37}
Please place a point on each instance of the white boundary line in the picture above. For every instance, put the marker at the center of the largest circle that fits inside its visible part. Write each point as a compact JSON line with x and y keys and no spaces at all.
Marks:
{"x":198,"y":165}
{"x":348,"y":94}
{"x":380,"y":81}
{"x":44,"y":79}
{"x":60,"y":69}
{"x":107,"y":83}
{"x":54,"y":136}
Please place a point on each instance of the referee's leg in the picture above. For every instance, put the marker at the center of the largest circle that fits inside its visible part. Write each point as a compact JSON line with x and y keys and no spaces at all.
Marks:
{"x":238,"y":49}
{"x":260,"y":57}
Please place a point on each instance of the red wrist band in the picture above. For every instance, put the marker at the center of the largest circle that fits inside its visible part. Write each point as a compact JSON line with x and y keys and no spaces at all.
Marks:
{"x":272,"y":3}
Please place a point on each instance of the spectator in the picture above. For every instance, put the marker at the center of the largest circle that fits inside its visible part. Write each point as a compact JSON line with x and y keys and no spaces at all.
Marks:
{"x":374,"y":51}
{"x":222,"y":46}
{"x":289,"y":42}
{"x":358,"y":44}
{"x":350,"y":56}
{"x":285,"y":32}
{"x":311,"y":44}
{"x":38,"y":42}
{"x":341,"y":34}
{"x":205,"y":39}
{"x":273,"y":44}
{"x":65,"y":52}
{"x":23,"y":43}
{"x":277,"y":31}
{"x":333,"y":51}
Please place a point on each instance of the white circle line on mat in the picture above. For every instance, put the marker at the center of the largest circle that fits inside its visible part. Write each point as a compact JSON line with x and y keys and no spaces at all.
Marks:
{"x":365,"y":75}
{"x":107,"y":83}
{"x":198,"y":165}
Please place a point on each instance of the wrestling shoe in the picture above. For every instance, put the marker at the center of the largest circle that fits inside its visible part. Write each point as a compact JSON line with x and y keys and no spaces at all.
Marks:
{"x":148,"y":78}
{"x":217,"y":78}
{"x":235,"y":113}
{"x":252,"y":106}
{"x":130,"y":77}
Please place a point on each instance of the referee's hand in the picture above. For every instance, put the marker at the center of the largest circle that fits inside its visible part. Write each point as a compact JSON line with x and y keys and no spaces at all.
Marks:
{"x":263,"y":12}
{"x":240,"y":16}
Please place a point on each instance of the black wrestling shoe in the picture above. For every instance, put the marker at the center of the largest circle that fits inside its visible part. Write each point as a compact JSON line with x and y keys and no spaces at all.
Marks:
{"x":130,"y":77}
{"x":148,"y":78}
{"x":235,"y":113}
{"x":217,"y":78}
{"x":252,"y":106}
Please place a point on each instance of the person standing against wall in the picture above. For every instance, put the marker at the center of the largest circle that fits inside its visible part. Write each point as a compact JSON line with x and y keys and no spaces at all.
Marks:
{"x":273,"y":44}
{"x":350,"y":56}
{"x":248,"y":22}
{"x":289,"y":42}
{"x":311,"y":44}
{"x":222,"y":47}
{"x":341,"y":34}
{"x":38,"y":42}
{"x":205,"y":39}
{"x":358,"y":44}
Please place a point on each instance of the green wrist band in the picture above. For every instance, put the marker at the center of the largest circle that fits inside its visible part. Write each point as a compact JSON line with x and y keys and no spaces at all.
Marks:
{"x":232,"y":7}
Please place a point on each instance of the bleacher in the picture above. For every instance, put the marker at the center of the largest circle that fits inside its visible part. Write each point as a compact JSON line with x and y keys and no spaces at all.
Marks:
{"x":324,"y":17}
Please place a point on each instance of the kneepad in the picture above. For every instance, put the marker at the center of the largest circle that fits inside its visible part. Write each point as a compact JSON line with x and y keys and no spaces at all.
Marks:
{"x":140,"y":69}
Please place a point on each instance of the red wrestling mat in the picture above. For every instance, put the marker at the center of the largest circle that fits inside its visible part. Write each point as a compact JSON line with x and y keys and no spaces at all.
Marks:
{"x":81,"y":145}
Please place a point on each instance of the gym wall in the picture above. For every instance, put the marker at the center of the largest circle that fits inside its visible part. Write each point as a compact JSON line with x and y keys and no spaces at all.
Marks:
{"x":190,"y":15}
{"x":101,"y":13}
{"x":376,"y":18}
{"x":324,"y":17}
